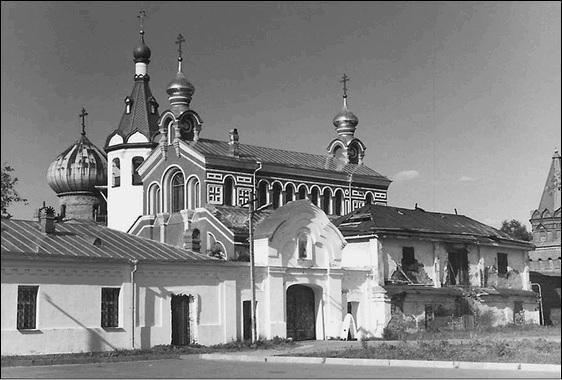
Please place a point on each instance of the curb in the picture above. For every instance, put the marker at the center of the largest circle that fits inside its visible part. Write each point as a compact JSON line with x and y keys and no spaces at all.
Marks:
{"x":382,"y":362}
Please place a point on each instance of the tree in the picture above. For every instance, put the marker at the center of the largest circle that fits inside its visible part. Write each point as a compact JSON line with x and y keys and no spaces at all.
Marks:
{"x":9,"y":193}
{"x":516,"y":230}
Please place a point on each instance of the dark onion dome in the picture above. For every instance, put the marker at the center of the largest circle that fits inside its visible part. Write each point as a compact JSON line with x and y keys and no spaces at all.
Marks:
{"x":345,"y":121}
{"x":80,"y":168}
{"x":141,"y":53}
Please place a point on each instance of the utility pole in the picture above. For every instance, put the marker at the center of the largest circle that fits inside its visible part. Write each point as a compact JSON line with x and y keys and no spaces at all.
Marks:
{"x":252,"y":265}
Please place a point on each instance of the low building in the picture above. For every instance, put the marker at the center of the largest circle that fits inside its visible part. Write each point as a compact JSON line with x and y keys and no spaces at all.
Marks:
{"x":430,"y":265}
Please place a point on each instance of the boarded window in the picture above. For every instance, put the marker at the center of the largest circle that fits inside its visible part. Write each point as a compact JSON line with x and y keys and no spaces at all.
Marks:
{"x":110,"y":307}
{"x":27,"y":306}
{"x":502,"y":263}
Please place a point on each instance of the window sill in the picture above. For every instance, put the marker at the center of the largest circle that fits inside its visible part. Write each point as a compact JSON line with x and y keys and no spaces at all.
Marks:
{"x":305,"y":262}
{"x":30,"y":331}
{"x":113,"y":329}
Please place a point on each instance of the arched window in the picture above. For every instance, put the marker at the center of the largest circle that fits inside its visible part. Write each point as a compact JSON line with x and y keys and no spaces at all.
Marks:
{"x":368,"y":198}
{"x":137,"y":161}
{"x":302,"y":192}
{"x":193,"y":193}
{"x":338,"y":203}
{"x":304,"y":245}
{"x":277,"y":201}
{"x":326,"y":201}
{"x":290,"y":193}
{"x":262,"y":193}
{"x":315,"y":196}
{"x":158,"y":201}
{"x":116,"y":173}
{"x":196,"y":241}
{"x":228,"y":198}
{"x":153,"y":199}
{"x":178,"y":189}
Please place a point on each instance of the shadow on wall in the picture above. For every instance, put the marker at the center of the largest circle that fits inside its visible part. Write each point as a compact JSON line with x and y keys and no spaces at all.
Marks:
{"x":95,"y":340}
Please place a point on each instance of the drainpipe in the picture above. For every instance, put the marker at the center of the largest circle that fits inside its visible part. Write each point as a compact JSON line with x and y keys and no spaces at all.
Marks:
{"x":541,"y":316}
{"x":134,"y":262}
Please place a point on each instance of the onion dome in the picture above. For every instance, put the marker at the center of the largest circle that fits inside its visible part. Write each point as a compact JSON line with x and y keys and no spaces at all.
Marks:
{"x":345,"y":121}
{"x":180,"y":90}
{"x":80,"y":168}
{"x":141,"y":52}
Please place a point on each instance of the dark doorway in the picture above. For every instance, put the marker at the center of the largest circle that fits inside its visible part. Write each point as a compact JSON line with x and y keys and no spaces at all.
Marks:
{"x":180,"y":320}
{"x":301,"y":318}
{"x":247,"y":319}
{"x":458,"y":267}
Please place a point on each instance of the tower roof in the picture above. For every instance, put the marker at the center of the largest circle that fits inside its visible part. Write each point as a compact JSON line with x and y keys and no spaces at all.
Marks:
{"x":550,"y":199}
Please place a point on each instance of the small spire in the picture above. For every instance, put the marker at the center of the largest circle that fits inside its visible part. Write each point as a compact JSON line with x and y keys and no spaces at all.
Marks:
{"x":344,"y":80}
{"x":178,"y":42}
{"x":141,"y":16}
{"x":83,"y":116}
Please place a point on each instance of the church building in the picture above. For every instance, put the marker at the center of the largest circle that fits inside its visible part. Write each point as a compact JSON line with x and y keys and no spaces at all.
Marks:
{"x":169,"y":183}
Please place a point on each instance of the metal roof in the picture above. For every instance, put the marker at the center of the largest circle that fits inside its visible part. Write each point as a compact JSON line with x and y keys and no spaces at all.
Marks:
{"x":288,"y":158}
{"x":82,"y":239}
{"x":394,"y":220}
{"x":236,"y":218}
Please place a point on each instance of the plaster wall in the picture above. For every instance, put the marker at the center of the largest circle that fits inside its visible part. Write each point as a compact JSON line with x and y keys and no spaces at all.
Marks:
{"x":68,"y":316}
{"x":124,"y":202}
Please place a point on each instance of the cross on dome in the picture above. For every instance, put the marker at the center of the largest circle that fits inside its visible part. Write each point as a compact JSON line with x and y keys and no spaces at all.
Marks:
{"x":141,"y":16}
{"x":178,"y":42}
{"x":344,"y":80}
{"x":83,"y":115}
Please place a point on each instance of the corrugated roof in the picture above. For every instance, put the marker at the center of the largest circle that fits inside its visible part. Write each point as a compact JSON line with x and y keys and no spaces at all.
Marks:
{"x":216,"y":148}
{"x":375,"y":218}
{"x":82,"y":239}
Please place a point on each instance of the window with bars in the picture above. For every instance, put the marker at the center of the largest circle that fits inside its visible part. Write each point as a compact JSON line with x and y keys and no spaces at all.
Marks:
{"x":27,"y":307}
{"x":110,"y":307}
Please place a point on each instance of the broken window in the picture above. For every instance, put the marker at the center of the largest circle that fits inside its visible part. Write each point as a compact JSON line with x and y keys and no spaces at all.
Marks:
{"x":408,"y":259}
{"x":110,"y":307}
{"x":502,"y":263}
{"x":27,"y":307}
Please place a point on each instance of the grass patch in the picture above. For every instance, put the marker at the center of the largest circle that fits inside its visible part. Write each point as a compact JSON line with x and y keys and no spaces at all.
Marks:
{"x":482,"y":350}
{"x":156,"y":352}
{"x":510,"y":331}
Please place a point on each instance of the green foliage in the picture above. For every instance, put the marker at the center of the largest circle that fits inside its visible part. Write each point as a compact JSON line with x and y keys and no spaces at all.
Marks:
{"x":516,"y":230}
{"x":9,"y":193}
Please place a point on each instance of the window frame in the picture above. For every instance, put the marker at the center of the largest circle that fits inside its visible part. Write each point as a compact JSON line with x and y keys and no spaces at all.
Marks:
{"x":177,"y":192}
{"x":502,"y":264}
{"x":25,"y":323}
{"x":110,"y":321}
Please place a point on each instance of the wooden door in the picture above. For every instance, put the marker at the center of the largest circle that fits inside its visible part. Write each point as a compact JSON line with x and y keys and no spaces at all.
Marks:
{"x":180,"y":320}
{"x":301,"y":316}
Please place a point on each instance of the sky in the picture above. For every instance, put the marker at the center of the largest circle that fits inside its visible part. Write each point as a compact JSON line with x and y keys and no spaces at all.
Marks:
{"x":458,"y":102}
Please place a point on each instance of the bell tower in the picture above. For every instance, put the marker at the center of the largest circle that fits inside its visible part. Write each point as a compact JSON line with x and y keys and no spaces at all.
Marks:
{"x":128,"y":146}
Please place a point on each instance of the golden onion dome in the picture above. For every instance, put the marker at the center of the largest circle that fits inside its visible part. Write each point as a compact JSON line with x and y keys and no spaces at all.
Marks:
{"x":80,"y":168}
{"x":345,"y":122}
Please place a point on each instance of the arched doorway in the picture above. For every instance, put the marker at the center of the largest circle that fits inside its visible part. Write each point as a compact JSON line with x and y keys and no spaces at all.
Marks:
{"x":301,"y":316}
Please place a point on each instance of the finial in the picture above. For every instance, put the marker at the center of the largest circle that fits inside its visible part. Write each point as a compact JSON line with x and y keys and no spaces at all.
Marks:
{"x":344,"y":80}
{"x":83,"y":116}
{"x":141,"y":16}
{"x":179,"y":41}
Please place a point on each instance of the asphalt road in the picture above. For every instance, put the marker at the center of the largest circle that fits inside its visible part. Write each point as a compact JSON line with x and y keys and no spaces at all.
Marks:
{"x":198,"y":368}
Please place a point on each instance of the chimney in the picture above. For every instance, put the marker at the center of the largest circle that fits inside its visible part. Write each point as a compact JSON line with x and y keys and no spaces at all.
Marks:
{"x":233,"y":148}
{"x":47,"y":219}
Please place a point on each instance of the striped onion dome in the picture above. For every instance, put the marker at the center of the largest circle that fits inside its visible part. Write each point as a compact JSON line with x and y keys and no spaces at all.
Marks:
{"x":80,"y":168}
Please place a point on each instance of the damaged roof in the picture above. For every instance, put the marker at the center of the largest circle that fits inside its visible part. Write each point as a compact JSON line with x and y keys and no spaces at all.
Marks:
{"x":236,"y":218}
{"x":287,"y":158}
{"x":377,"y":219}
{"x":86,"y":240}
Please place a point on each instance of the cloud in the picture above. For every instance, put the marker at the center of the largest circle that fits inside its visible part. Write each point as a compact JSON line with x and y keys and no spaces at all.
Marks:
{"x":406,"y":175}
{"x":466,"y":178}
